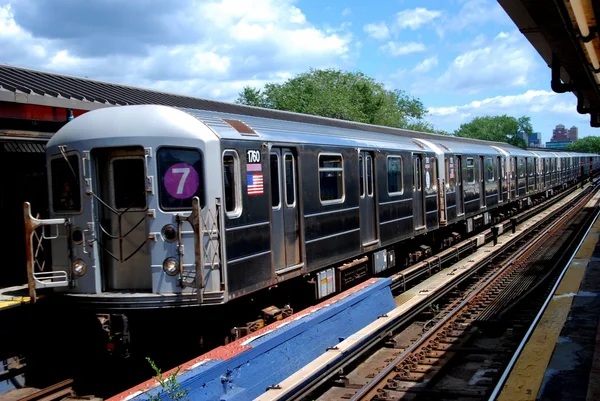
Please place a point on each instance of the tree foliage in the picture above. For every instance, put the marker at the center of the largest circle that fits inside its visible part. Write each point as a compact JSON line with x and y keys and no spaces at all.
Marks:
{"x":341,"y":95}
{"x":588,"y":144}
{"x":497,"y":128}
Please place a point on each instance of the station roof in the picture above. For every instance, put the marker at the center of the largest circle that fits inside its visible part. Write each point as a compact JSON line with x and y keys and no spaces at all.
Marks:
{"x":566,"y":36}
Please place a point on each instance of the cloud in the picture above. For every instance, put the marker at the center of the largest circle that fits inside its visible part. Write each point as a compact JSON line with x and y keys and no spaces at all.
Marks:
{"x":545,"y":107}
{"x":507,"y":61}
{"x":378,"y":31}
{"x":395,"y":49}
{"x":478,"y":12}
{"x":203,"y":48}
{"x":347,"y":11}
{"x":415,"y":18}
{"x":426,"y":65}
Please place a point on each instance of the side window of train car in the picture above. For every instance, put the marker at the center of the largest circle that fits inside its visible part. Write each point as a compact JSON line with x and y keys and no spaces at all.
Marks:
{"x":530,"y":167}
{"x":180,"y":176}
{"x":275,"y":182}
{"x":331,"y":178}
{"x":520,"y":168}
{"x":489,"y":169}
{"x":232,"y":184}
{"x":450,"y":174}
{"x":290,"y":180}
{"x":394,"y":175}
{"x":66,"y":190}
{"x":470,"y":170}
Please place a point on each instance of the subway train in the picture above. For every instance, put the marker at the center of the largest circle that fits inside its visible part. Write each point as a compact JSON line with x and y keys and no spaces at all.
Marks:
{"x":163,"y":207}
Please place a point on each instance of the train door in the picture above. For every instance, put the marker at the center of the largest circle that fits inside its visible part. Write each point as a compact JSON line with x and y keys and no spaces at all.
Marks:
{"x":500,"y":170}
{"x":284,"y":203}
{"x":482,"y":192}
{"x":418,"y":194}
{"x":123,"y":208}
{"x":368,"y":227}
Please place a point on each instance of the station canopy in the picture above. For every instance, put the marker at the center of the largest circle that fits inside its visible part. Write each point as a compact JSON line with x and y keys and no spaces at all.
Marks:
{"x":566,"y":35}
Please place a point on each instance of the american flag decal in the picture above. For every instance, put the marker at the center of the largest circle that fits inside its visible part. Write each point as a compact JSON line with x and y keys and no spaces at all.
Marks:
{"x":255,"y":184}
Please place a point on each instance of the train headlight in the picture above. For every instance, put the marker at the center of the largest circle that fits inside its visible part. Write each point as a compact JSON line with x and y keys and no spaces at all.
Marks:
{"x":77,"y":236}
{"x":79,"y":268}
{"x":171,"y":266}
{"x":169,"y":233}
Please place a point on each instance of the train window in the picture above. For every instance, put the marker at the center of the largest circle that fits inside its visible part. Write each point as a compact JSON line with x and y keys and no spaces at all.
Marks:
{"x":129,"y":181}
{"x":361,"y":173}
{"x":489,"y":169}
{"x":369,"y":161}
{"x":232,"y":184}
{"x":433,"y":183}
{"x":450,"y":174}
{"x":180,"y":177}
{"x":290,"y":179}
{"x":331,"y":178}
{"x":66,"y":191}
{"x":520,"y":168}
{"x":470,"y":170}
{"x":275,"y":182}
{"x":530,"y":166}
{"x":394,"y":173}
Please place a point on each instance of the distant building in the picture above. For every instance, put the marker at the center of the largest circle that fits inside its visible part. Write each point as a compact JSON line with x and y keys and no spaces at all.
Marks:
{"x":573,"y":134}
{"x":561,"y":137}
{"x":560,"y":134}
{"x":557,"y":144}
{"x":523,"y":136}
{"x":535,"y":140}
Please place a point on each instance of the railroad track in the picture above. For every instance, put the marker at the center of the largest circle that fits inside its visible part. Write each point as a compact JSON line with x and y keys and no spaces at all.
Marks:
{"x":408,"y":356}
{"x":55,"y":392}
{"x":415,"y":372}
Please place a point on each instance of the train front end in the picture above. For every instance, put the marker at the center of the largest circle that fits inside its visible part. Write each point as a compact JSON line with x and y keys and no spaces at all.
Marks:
{"x":134,"y":211}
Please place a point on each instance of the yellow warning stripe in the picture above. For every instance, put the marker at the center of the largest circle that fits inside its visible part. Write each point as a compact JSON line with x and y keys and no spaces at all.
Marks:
{"x":527,"y":375}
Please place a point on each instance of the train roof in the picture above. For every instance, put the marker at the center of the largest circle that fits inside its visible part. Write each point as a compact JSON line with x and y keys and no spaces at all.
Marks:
{"x":269,"y":127}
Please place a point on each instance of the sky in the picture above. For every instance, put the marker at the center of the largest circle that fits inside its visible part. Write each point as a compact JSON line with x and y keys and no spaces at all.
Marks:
{"x":462,"y":58}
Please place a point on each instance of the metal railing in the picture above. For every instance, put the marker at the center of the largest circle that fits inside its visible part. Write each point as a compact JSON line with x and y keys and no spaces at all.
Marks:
{"x":41,"y":279}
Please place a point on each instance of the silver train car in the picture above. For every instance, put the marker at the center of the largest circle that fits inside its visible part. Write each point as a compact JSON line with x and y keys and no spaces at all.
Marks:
{"x":154,"y":206}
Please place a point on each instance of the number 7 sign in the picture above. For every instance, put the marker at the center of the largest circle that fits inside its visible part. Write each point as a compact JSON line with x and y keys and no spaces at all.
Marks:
{"x":181,"y":181}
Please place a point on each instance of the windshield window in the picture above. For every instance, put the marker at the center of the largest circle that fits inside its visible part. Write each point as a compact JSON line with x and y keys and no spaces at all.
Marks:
{"x":180,"y":178}
{"x":66,"y":192}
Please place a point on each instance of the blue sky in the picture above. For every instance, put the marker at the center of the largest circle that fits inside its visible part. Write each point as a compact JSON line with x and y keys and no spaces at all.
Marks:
{"x":462,"y":58}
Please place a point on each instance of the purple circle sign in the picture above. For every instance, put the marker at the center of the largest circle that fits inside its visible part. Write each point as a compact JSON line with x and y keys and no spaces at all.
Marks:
{"x":181,"y":181}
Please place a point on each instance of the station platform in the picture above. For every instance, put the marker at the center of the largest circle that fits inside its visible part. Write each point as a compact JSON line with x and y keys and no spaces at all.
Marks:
{"x":561,"y":359}
{"x":245,"y":368}
{"x":12,"y":297}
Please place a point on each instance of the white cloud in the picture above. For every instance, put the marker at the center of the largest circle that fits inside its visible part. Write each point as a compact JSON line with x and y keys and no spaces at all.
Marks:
{"x":426,"y":65}
{"x":395,"y":49}
{"x":378,"y":31}
{"x":415,"y":18}
{"x":347,"y":11}
{"x":204,"y":48}
{"x":508,"y":61}
{"x":545,"y":107}
{"x":478,"y":12}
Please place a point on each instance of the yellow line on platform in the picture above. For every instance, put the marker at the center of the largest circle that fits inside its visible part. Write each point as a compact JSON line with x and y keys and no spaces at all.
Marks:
{"x":13,"y":303}
{"x":525,"y":380}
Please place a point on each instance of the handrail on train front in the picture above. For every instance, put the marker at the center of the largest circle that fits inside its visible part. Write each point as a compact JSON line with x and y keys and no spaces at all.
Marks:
{"x":31,"y":224}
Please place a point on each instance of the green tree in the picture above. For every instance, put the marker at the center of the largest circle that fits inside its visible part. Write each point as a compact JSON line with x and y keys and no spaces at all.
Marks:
{"x":588,"y":144}
{"x":497,"y":128}
{"x":341,"y":95}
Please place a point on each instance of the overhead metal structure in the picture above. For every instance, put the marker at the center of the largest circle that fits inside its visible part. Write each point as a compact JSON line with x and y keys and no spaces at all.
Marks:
{"x":566,"y":35}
